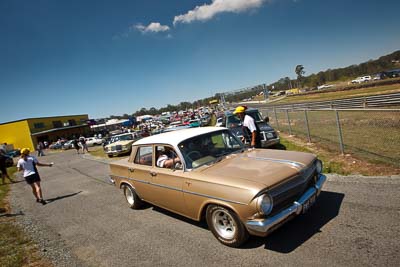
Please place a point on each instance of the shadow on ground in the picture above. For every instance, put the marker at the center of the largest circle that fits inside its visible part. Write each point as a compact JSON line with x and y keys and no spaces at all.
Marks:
{"x":296,"y":232}
{"x":50,"y":200}
{"x":292,"y":234}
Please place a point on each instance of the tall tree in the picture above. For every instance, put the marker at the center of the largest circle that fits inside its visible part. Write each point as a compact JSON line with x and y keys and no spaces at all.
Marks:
{"x":300,"y":72}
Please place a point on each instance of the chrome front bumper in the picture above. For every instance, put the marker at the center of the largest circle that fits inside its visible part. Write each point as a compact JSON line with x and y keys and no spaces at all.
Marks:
{"x":262,"y":227}
{"x":270,"y":142}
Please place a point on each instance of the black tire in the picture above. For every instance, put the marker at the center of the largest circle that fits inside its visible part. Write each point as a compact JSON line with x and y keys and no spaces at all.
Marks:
{"x":109,"y":155}
{"x":131,"y":197}
{"x":226,"y":226}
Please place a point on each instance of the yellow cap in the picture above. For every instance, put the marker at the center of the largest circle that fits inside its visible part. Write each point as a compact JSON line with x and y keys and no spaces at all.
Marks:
{"x":25,"y":151}
{"x":239,"y":109}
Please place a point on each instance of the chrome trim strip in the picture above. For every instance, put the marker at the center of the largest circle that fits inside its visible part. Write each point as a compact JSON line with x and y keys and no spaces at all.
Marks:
{"x":179,"y":190}
{"x":297,"y":165}
{"x":217,"y":198}
{"x":264,"y":225}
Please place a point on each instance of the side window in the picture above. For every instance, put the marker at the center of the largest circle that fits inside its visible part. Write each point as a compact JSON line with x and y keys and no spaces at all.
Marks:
{"x":144,"y":156}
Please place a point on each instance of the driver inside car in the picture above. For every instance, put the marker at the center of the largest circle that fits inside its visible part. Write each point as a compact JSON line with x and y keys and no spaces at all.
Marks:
{"x":166,"y":157}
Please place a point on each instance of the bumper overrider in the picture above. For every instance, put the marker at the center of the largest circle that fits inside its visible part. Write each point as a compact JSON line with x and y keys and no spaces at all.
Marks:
{"x":262,"y":227}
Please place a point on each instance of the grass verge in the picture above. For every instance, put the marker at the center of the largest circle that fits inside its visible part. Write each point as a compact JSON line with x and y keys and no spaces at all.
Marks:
{"x":16,"y":249}
{"x":339,"y":164}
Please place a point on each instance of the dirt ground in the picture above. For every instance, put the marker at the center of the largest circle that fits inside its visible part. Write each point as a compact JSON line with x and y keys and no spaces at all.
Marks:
{"x":349,"y":163}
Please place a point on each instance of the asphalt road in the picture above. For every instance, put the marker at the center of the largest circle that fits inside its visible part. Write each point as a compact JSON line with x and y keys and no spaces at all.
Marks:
{"x":87,"y":223}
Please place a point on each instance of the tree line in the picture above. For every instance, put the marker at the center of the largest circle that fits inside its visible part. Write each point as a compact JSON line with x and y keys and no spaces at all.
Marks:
{"x":370,"y":67}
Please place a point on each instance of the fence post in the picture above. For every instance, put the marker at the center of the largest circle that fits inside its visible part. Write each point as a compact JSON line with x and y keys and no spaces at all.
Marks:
{"x":308,"y":127}
{"x":276,"y":119}
{"x":339,"y":132}
{"x":288,"y":119}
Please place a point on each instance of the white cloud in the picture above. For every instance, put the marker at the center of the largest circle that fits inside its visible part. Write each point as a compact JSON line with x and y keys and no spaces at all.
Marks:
{"x":152,"y":27}
{"x":208,"y":11}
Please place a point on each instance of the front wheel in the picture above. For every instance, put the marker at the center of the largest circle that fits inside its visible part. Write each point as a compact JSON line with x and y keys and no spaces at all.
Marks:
{"x":226,"y":226}
{"x":131,"y":197}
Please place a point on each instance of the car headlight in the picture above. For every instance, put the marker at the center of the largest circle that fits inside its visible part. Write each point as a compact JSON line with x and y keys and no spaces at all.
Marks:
{"x":264,"y":204}
{"x":318,"y":165}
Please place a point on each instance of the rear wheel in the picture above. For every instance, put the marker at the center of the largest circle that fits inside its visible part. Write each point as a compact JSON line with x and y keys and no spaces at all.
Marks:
{"x":226,"y":226}
{"x":131,"y":197}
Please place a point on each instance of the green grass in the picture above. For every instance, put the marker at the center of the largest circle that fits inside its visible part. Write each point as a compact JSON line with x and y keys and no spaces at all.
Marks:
{"x":16,"y":249}
{"x":372,"y":135}
{"x":330,"y":166}
{"x":97,"y":152}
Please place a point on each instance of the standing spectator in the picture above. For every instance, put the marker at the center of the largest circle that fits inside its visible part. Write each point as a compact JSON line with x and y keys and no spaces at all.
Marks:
{"x":83,"y":144}
{"x":3,"y":167}
{"x":39,"y":148}
{"x":250,"y":127}
{"x":46,"y":144}
{"x":76,"y":145}
{"x":27,"y":164}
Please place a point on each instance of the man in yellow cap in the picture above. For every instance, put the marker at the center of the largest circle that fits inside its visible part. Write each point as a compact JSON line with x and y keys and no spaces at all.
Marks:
{"x":250,"y":127}
{"x":28,"y":164}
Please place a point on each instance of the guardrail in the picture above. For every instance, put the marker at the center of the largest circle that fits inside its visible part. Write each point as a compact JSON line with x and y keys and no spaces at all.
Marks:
{"x":385,"y":100}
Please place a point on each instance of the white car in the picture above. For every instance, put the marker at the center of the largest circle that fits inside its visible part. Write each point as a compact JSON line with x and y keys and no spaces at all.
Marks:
{"x":362,"y":79}
{"x":94,"y":141}
{"x":220,"y":122}
{"x":325,"y":86}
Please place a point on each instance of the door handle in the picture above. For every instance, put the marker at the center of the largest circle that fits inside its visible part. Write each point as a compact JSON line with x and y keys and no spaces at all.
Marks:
{"x":131,"y":169}
{"x":153,"y":173}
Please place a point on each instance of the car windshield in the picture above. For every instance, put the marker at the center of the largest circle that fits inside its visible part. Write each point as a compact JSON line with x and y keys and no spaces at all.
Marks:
{"x":233,"y":119}
{"x":209,"y":148}
{"x":121,"y":138}
{"x":255,"y":114}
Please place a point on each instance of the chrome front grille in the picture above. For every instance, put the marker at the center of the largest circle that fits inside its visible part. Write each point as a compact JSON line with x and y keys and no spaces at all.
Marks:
{"x":285,"y":194}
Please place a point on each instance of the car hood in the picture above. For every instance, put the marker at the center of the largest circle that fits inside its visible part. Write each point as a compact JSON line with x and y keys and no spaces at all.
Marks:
{"x":121,"y":143}
{"x":264,"y":167}
{"x":264,"y":127}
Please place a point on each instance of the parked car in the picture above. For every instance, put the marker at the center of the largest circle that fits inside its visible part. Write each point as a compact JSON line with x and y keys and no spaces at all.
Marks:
{"x":8,"y":160}
{"x":56,"y":145}
{"x":237,"y":191}
{"x":94,"y":141}
{"x":68,"y":145}
{"x":120,"y":144}
{"x":269,"y":136}
{"x":324,"y":86}
{"x":220,"y":122}
{"x":362,"y":79}
{"x":14,"y":153}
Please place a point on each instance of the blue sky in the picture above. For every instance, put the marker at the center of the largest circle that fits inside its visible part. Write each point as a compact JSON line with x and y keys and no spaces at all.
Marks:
{"x":113,"y":57}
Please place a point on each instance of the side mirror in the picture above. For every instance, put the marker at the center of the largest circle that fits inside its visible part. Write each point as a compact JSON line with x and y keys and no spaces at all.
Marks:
{"x":266,"y":119}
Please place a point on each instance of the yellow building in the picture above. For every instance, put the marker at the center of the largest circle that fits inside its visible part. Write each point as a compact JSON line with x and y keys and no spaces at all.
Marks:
{"x":293,"y":91}
{"x":28,"y":132}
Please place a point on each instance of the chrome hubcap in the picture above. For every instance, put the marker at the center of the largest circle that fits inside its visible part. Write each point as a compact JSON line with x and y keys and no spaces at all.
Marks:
{"x":129,"y":196}
{"x":224,"y":224}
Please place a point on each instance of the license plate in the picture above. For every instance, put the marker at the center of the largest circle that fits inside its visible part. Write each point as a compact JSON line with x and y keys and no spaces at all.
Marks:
{"x":307,"y":205}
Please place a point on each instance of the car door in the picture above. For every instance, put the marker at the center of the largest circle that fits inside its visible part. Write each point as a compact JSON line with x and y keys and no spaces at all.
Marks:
{"x":168,"y":192}
{"x":140,"y":173}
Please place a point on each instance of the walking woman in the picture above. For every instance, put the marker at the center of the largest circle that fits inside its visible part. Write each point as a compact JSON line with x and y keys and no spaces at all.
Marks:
{"x":28,"y":164}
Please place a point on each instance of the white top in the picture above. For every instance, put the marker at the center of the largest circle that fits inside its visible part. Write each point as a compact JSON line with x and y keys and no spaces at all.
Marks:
{"x":175,"y":137}
{"x":27,"y":165}
{"x":249,"y":123}
{"x":161,"y":160}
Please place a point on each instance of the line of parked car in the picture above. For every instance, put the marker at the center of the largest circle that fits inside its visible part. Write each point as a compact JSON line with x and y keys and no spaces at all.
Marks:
{"x":90,"y":141}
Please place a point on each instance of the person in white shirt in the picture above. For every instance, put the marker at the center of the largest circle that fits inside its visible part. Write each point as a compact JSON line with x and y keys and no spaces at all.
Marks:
{"x":27,"y":164}
{"x":249,"y":127}
{"x":167,"y":158}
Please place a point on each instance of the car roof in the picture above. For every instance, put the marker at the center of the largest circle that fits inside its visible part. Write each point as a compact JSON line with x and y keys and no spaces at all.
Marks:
{"x":175,"y":137}
{"x":230,"y":112}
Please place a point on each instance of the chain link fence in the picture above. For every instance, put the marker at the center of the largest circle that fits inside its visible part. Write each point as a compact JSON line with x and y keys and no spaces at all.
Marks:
{"x":373,"y":134}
